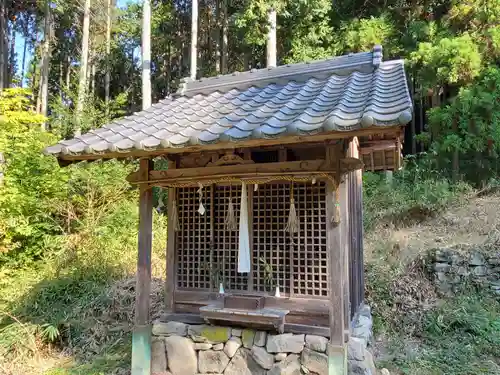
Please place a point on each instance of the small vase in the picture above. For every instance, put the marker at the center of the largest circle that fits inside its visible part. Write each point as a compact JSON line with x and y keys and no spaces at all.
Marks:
{"x":221,"y":289}
{"x":277,"y":292}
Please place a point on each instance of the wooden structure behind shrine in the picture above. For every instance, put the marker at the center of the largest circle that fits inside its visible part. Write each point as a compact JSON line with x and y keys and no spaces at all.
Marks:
{"x":264,"y":190}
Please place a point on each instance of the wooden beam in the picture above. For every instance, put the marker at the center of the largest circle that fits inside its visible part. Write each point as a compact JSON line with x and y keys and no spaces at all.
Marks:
{"x":170,"y":258}
{"x":143,"y":284}
{"x":334,"y":246}
{"x":221,"y":146}
{"x":141,"y":338}
{"x":249,"y":170}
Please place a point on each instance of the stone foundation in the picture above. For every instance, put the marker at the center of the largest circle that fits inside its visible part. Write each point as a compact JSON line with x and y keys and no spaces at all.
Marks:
{"x":182,"y":349}
{"x":453,"y":266}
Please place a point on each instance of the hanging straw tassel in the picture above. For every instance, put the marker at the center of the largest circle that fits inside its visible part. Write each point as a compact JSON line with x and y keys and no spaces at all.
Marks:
{"x":336,"y":208}
{"x":230,"y":221}
{"x":292,"y":225}
{"x":175,"y":216}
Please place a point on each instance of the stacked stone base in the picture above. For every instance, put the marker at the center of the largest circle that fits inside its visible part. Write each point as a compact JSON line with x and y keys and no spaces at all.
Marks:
{"x":181,"y":349}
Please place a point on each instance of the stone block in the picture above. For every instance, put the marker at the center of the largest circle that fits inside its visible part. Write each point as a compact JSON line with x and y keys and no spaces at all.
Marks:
{"x":232,"y":346}
{"x":477,"y":259}
{"x":317,"y":343}
{"x":202,"y":346}
{"x":285,"y":343}
{"x":356,"y":349}
{"x":288,"y":366}
{"x":247,"y":338}
{"x":441,"y":267}
{"x":218,"y":346}
{"x":181,"y":356}
{"x":479,"y":271}
{"x":169,"y":329}
{"x":243,"y":363}
{"x":366,"y":367}
{"x":280,"y":357}
{"x":236,"y":332}
{"x":212,"y":334}
{"x":260,"y":338}
{"x":314,"y":361}
{"x":158,"y":357}
{"x":262,"y":357}
{"x":211,"y":361}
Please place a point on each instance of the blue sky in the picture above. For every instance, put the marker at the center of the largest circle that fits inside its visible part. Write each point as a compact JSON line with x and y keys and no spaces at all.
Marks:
{"x":20,"y":41}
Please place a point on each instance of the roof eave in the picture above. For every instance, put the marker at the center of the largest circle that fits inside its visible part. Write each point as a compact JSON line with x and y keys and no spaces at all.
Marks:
{"x":66,"y":159}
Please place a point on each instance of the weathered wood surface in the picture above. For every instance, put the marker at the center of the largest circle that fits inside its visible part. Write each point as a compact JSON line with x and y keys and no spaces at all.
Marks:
{"x":170,"y":257}
{"x":336,"y":265}
{"x":261,"y":317}
{"x":143,"y":283}
{"x":302,"y":167}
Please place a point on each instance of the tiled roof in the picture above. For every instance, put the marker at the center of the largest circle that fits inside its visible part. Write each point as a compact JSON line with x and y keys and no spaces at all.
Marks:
{"x":340,"y":94}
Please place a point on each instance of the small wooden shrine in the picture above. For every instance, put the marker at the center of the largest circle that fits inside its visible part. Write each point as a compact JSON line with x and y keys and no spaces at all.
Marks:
{"x":264,"y":187}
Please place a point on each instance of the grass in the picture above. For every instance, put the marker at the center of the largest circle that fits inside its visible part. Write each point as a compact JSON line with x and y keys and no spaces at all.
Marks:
{"x":460,"y":337}
{"x":413,"y":196}
{"x":74,"y":310}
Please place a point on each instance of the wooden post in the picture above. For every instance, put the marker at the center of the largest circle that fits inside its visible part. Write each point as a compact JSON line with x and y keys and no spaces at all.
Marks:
{"x":170,"y":258}
{"x":337,"y":353}
{"x":141,"y":337}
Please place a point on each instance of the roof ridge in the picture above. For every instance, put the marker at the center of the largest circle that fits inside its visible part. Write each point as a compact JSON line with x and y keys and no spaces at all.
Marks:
{"x":343,"y":64}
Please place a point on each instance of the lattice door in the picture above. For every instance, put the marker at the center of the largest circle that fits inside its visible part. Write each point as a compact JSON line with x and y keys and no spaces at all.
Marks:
{"x":193,"y":239}
{"x":226,"y":242}
{"x":298,"y":264}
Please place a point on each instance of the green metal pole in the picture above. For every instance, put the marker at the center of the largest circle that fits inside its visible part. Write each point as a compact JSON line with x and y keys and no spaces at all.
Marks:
{"x":337,"y":360}
{"x":141,"y":350}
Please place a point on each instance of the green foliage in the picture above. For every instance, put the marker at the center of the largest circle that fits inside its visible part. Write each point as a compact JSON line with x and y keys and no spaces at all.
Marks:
{"x":454,"y":60}
{"x":416,"y":192}
{"x":470,"y":124}
{"x":363,"y":34}
{"x":461,"y":337}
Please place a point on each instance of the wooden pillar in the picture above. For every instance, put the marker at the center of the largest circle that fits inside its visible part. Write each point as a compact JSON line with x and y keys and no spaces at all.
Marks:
{"x":337,"y":351}
{"x":141,"y":337}
{"x":170,"y":258}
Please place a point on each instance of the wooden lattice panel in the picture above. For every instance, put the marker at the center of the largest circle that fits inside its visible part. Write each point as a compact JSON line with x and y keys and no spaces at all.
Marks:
{"x":299,"y":263}
{"x":193,"y":239}
{"x":310,"y":255}
{"x":271,"y":244}
{"x":226,"y":242}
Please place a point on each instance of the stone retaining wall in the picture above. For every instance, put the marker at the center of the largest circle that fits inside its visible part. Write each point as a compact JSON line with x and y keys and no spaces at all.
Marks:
{"x":455,"y":265}
{"x":181,"y":349}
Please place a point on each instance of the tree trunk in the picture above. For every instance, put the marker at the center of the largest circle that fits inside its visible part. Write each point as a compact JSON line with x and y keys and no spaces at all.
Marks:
{"x":44,"y":101}
{"x":12,"y":57}
{"x":194,"y":39}
{"x":168,"y":67}
{"x":217,"y":37}
{"x":224,"y":38}
{"x":68,"y":75}
{"x":271,"y":39}
{"x":24,"y":59}
{"x":61,"y":81}
{"x":146,"y":55}
{"x":3,"y":45}
{"x":107,"y":78}
{"x":82,"y":84}
{"x":92,"y":78}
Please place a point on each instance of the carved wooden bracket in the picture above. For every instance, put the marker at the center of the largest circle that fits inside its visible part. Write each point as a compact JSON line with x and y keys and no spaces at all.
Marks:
{"x":229,"y":159}
{"x":350,"y":164}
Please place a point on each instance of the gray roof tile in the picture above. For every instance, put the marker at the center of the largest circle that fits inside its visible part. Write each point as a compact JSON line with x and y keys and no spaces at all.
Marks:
{"x":339,"y":94}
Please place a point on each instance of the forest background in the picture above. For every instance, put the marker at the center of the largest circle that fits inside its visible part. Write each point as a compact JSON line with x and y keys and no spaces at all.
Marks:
{"x":68,"y":235}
